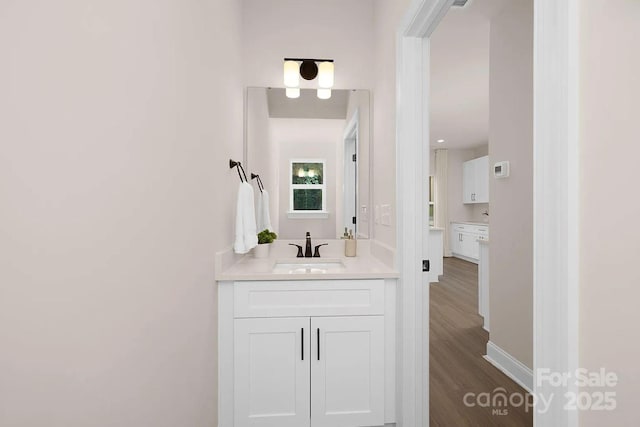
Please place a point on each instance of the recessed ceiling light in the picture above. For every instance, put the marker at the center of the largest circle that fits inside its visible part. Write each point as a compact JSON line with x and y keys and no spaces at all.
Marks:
{"x":440,"y":141}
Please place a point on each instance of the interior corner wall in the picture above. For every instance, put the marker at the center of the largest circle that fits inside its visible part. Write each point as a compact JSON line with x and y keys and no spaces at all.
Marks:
{"x":609,"y":208}
{"x":117,"y":123}
{"x":511,"y":199}
{"x":387,"y":18}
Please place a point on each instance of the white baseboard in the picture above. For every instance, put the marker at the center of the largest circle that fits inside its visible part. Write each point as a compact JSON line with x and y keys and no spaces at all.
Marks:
{"x":510,"y":366}
{"x":465,"y":258}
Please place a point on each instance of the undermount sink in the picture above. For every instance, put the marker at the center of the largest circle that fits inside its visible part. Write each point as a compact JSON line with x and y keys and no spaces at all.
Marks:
{"x":307,"y":266}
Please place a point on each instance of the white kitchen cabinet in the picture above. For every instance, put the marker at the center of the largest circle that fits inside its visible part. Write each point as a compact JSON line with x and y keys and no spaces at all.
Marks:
{"x":455,"y":242}
{"x":347,"y":371}
{"x":464,"y":240}
{"x":475,"y":180}
{"x":468,"y":181}
{"x":272,"y":372}
{"x":482,"y":171}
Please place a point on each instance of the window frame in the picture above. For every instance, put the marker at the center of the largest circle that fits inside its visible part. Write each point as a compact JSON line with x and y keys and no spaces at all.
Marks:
{"x":318,"y":214}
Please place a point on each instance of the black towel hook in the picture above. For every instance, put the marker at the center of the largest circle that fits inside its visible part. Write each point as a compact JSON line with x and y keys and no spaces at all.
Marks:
{"x":238,"y":165}
{"x":259,"y":181}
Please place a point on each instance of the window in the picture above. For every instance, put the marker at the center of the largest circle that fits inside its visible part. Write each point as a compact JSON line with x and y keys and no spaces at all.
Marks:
{"x":307,"y":195}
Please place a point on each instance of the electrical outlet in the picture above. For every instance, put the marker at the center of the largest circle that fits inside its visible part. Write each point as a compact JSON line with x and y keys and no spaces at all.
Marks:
{"x":376,"y":214}
{"x":364,"y":213}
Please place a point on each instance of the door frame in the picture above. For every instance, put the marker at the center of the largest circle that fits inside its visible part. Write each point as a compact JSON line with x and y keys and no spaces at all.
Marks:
{"x":350,"y":137}
{"x":556,"y":204}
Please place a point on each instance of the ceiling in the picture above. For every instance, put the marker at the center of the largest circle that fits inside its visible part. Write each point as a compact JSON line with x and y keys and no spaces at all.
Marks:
{"x":308,"y":105}
{"x":460,"y":75}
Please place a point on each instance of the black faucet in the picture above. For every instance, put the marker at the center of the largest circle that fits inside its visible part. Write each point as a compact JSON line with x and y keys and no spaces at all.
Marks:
{"x":307,"y":250}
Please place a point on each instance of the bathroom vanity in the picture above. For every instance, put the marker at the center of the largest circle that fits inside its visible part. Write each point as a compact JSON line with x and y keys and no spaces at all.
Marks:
{"x":307,"y":341}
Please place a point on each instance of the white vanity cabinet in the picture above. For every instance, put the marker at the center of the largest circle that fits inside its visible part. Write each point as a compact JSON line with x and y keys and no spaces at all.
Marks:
{"x":316,"y":353}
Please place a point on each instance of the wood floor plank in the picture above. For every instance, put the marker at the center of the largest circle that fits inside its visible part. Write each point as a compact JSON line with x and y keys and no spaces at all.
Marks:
{"x":457,"y":344}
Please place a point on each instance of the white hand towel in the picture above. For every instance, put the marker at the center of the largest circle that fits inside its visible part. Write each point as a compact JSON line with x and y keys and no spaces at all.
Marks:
{"x":246,"y":236}
{"x":264,"y":219}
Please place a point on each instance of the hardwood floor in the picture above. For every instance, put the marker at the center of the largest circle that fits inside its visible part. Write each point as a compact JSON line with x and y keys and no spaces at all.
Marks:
{"x":456,"y":365}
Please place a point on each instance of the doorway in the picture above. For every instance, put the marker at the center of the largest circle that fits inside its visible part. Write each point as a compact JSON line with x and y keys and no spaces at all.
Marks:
{"x":555,"y":204}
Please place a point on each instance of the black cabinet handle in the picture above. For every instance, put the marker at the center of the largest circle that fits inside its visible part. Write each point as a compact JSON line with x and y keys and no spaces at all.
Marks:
{"x":318,"y":343}
{"x":302,"y":341}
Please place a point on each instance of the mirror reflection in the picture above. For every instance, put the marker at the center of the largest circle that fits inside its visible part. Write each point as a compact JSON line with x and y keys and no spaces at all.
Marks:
{"x":312,"y":156}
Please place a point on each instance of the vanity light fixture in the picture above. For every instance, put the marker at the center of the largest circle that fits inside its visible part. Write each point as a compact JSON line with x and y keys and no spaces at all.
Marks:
{"x":308,"y":69}
{"x":291,"y":74}
{"x":440,"y":141}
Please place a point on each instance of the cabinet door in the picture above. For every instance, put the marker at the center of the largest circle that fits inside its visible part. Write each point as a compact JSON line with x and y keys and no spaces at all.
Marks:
{"x":468,"y":181}
{"x":347,"y":371}
{"x":455,"y":241}
{"x":467,"y":245}
{"x":482,"y":180}
{"x":271,"y":372}
{"x":475,"y":246}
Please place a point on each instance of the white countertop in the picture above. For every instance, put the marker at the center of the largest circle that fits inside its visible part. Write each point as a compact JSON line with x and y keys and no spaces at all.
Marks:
{"x":363,"y":266}
{"x":484,"y":224}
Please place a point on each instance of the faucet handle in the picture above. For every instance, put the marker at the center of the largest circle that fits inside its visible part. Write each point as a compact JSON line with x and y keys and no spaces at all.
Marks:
{"x":316,"y":253}
{"x":300,"y":255}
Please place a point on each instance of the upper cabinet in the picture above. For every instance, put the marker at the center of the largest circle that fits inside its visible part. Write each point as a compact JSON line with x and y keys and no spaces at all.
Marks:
{"x":475,"y":180}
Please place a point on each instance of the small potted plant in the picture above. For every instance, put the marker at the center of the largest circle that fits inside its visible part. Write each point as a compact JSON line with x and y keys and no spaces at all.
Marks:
{"x":265,"y":238}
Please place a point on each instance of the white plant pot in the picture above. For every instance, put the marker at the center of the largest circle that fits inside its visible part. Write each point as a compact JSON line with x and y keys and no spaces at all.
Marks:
{"x":261,"y":251}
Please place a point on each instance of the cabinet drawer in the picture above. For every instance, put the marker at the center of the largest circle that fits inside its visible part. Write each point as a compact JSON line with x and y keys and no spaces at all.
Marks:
{"x":308,"y":298}
{"x":459,"y":227}
{"x":483,"y":231}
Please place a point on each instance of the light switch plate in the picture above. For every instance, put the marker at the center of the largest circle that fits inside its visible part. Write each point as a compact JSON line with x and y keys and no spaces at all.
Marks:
{"x":385,"y":217}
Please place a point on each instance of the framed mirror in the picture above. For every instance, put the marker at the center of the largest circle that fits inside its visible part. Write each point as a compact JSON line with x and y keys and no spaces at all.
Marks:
{"x":313,"y":157}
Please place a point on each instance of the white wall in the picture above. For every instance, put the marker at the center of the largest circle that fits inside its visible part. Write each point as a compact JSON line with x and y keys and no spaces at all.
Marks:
{"x":117,"y":120}
{"x":511,"y":199}
{"x":609,"y":207}
{"x":306,"y":139}
{"x":332,"y":29}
